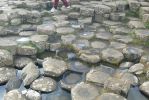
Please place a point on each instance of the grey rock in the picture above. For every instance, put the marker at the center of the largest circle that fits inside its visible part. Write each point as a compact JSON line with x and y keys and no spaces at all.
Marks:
{"x":46,"y":29}
{"x":87,"y":35}
{"x":68,"y":39}
{"x":123,"y":38}
{"x":29,"y":73}
{"x":130,"y":78}
{"x":102,"y":9}
{"x":117,"y":85}
{"x":117,"y":45}
{"x":73,"y":15}
{"x":44,"y":84}
{"x":145,"y":87}
{"x":31,"y":94}
{"x":80,"y":44}
{"x":145,"y":18}
{"x":137,"y":68}
{"x":126,"y":65}
{"x":134,"y":5}
{"x":4,"y":20}
{"x":132,"y":53}
{"x":110,"y":96}
{"x":6,"y":58}
{"x":142,"y":34}
{"x":90,"y":56}
{"x":104,"y":35}
{"x":98,"y":45}
{"x":135,"y":24}
{"x":6,"y":74}
{"x":70,"y":79}
{"x":21,"y":62}
{"x":54,"y":67}
{"x":26,"y":50}
{"x":14,"y":95}
{"x":87,"y":12}
{"x":13,"y":83}
{"x":87,"y":20}
{"x":112,"y":56}
{"x":96,"y":75}
{"x":65,"y":30}
{"x":40,"y":41}
{"x":84,"y":91}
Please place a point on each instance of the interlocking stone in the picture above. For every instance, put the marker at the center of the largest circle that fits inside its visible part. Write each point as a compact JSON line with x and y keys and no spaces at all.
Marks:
{"x":96,"y":75}
{"x":46,"y":29}
{"x":144,"y":87}
{"x":29,"y":73}
{"x":112,"y":56}
{"x":14,"y":95}
{"x":44,"y":84}
{"x":83,"y":91}
{"x":6,"y":58}
{"x":6,"y":74}
{"x":111,"y":96}
{"x":142,"y":34}
{"x":54,"y":67}
{"x":65,"y":30}
{"x":96,"y":49}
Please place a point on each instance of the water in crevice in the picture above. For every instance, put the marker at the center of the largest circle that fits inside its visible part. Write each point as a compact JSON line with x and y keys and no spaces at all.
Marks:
{"x":2,"y":92}
{"x":135,"y":94}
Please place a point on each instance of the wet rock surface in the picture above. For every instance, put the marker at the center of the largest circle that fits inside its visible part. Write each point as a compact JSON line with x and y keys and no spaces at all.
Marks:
{"x":29,"y":73}
{"x":110,"y":96}
{"x":112,"y":56}
{"x":44,"y":84}
{"x":14,"y":95}
{"x":94,"y":50}
{"x":54,"y":67}
{"x":84,"y":91}
{"x":6,"y":74}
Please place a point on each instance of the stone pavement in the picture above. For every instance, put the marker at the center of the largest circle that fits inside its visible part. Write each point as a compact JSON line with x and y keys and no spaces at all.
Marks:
{"x":95,"y":50}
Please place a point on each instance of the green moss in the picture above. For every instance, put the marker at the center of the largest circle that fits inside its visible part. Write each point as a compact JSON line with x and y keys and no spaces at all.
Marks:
{"x":34,"y":46}
{"x":137,"y":41}
{"x":146,"y":25}
{"x":132,"y":14}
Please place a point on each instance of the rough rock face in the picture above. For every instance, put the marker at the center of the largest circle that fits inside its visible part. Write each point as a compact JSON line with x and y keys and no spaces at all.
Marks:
{"x":84,"y":91}
{"x":26,"y":50}
{"x":29,"y":73}
{"x":96,"y":75}
{"x":97,"y":49}
{"x":40,"y":41}
{"x":132,"y":54}
{"x":145,"y":87}
{"x":130,"y":78}
{"x":31,"y":95}
{"x":6,"y":58}
{"x":112,"y":56}
{"x":21,"y":62}
{"x":142,"y":34}
{"x":6,"y":74}
{"x":126,"y":65}
{"x":110,"y":96}
{"x":46,"y":29}
{"x":137,"y":68}
{"x":14,"y":95}
{"x":65,"y":30}
{"x":54,"y":67}
{"x":117,"y":85}
{"x":68,"y":39}
{"x":44,"y":84}
{"x":90,"y":58}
